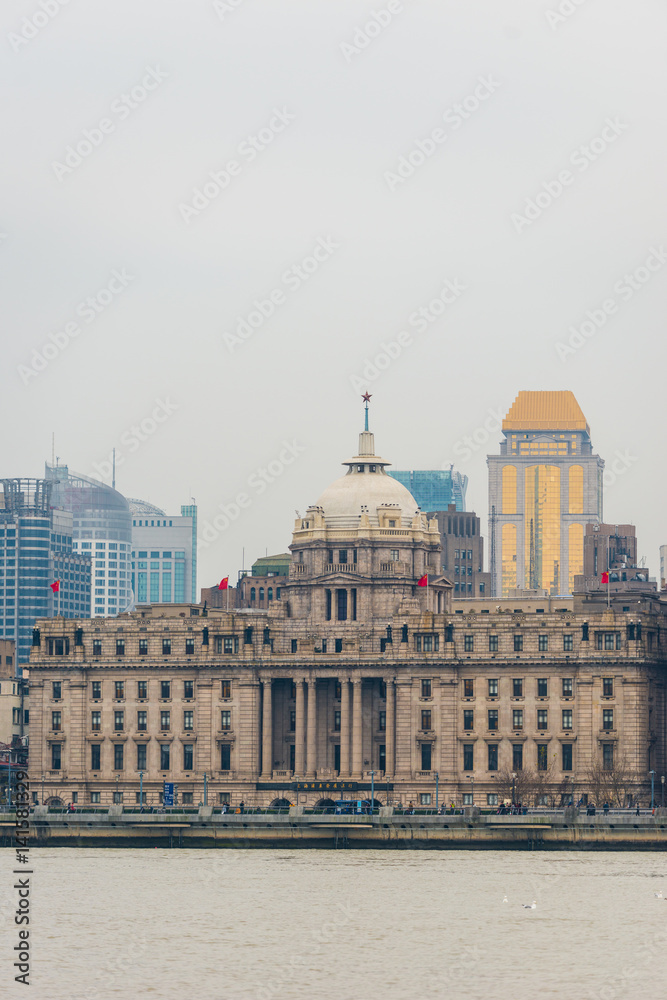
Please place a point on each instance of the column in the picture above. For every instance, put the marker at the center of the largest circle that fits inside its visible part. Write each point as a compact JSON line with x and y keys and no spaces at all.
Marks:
{"x":299,"y":763}
{"x":345,"y":728}
{"x":356,"y":728}
{"x":267,"y":729}
{"x":311,"y":729}
{"x":390,"y":726}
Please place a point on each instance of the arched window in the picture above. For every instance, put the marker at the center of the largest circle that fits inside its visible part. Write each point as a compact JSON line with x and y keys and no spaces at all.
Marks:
{"x":252,"y":593}
{"x":270,"y":593}
{"x":261,"y":593}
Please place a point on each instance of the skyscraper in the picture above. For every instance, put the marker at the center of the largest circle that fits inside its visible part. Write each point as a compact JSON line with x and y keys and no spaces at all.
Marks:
{"x":164,"y":554}
{"x":544,"y":487}
{"x":434,"y":489}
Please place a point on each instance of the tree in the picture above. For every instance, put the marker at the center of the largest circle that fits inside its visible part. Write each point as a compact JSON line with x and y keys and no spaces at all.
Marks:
{"x":612,"y":784}
{"x":523,"y":784}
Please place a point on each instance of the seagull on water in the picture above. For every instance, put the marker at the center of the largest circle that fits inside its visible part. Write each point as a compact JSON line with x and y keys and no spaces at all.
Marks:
{"x":530,"y":906}
{"x":505,"y":899}
{"x":658,"y":894}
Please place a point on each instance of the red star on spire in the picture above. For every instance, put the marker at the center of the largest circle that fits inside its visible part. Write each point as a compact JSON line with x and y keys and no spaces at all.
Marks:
{"x":366,"y":397}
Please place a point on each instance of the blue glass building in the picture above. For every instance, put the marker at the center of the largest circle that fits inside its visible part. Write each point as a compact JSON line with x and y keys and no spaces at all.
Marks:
{"x":434,"y":489}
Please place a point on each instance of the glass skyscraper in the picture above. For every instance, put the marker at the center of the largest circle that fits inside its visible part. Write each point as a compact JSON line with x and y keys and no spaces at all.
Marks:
{"x":164,"y":554}
{"x":434,"y":489}
{"x":544,"y":487}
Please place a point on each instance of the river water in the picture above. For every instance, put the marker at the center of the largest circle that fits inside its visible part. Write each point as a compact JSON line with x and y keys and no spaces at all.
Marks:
{"x":396,"y":925}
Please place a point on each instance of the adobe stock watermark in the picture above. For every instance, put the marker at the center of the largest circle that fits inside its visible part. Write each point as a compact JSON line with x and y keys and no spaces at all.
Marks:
{"x":621,"y":463}
{"x":470,"y":444}
{"x":247,"y":151}
{"x":88,"y":310}
{"x":625,"y":289}
{"x":136,"y":435}
{"x":257,"y":483}
{"x":292,"y":279}
{"x":564,"y":11}
{"x":225,"y":7}
{"x":419,"y":321}
{"x":581,"y":158}
{"x":34,"y":23}
{"x":364,"y":34}
{"x":455,"y":116}
{"x":121,"y":108}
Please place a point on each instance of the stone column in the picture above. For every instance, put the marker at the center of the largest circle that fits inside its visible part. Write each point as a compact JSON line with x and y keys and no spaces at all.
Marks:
{"x":311,"y":765}
{"x":390,"y":723}
{"x":345,"y":728}
{"x":299,"y":763}
{"x":356,"y":728}
{"x":267,"y":729}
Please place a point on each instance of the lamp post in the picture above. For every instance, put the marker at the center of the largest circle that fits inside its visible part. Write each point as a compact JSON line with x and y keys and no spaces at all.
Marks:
{"x":472,"y":791}
{"x":437,"y":779}
{"x":662,"y":793}
{"x":42,"y":789}
{"x":141,"y":789}
{"x":205,"y":790}
{"x":372,"y":790}
{"x":652,"y":773}
{"x":117,"y":792}
{"x":513,"y":786}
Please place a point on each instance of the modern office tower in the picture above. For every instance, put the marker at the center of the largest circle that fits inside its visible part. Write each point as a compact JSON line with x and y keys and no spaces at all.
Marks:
{"x":102,"y":529}
{"x":434,"y":489}
{"x":462,"y":552}
{"x":36,"y":549}
{"x":663,"y":567}
{"x":164,"y":554}
{"x":544,"y":488}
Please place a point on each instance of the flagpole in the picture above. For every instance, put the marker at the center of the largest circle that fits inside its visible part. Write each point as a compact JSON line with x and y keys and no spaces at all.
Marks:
{"x":608,"y":584}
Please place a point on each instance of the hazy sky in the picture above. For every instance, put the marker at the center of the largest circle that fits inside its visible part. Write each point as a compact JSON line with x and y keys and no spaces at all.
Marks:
{"x":337,"y":166}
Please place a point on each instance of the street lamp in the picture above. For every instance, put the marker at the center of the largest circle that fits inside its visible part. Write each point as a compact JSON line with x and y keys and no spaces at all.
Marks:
{"x":372,"y":790}
{"x":117,"y":792}
{"x":472,"y":791}
{"x":205,"y":790}
{"x":42,"y":789}
{"x":141,"y":789}
{"x":437,"y":779}
{"x":662,"y":793}
{"x":513,"y":787}
{"x":652,"y":773}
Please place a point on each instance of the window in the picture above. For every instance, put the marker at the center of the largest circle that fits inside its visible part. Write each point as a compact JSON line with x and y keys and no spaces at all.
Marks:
{"x":94,"y":798}
{"x":188,"y":689}
{"x":517,"y":756}
{"x":608,"y":687}
{"x":253,"y":594}
{"x":165,"y":689}
{"x":568,"y":642}
{"x":225,"y":689}
{"x":292,"y":720}
{"x":608,"y":640}
{"x":164,"y":756}
{"x":119,"y":690}
{"x":56,"y":756}
{"x":56,"y":719}
{"x":426,"y":720}
{"x":382,"y":721}
{"x":542,"y":756}
{"x":468,"y":756}
{"x":56,"y":692}
{"x":294,"y":646}
{"x":338,"y":645}
{"x":542,"y":687}
{"x":426,"y":756}
{"x":118,"y":756}
{"x":543,"y":643}
{"x":188,"y":755}
{"x":492,"y":751}
{"x":468,"y":688}
{"x":493,"y":687}
{"x":493,"y":643}
{"x":492,"y":799}
{"x":607,"y":756}
{"x":230,"y":644}
{"x":186,"y":798}
{"x":468,"y":718}
{"x":542,"y":718}
{"x":97,"y":647}
{"x":188,"y":720}
{"x":225,"y":756}
{"x":165,"y":720}
{"x":95,"y":749}
{"x":119,"y":721}
{"x":342,"y":555}
{"x":95,"y":721}
{"x":427,"y":643}
{"x":567,"y":718}
{"x":120,"y":647}
{"x":142,"y":721}
{"x":96,"y":690}
{"x":607,"y":718}
{"x":424,"y":798}
{"x":567,"y":687}
{"x":140,"y":798}
{"x":517,"y":718}
{"x":336,"y":721}
{"x":426,"y":688}
{"x":143,"y":647}
{"x":566,"y":756}
{"x":468,"y":644}
{"x":225,"y":719}
{"x":57,"y":647}
{"x":517,"y":687}
{"x":189,"y":647}
{"x":166,"y":647}
{"x":142,"y":690}
{"x":518,"y":643}
{"x":394,"y":555}
{"x":493,"y":718}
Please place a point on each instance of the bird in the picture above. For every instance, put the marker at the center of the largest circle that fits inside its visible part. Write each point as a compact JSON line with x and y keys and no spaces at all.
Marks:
{"x":530,"y":906}
{"x":504,"y":899}
{"x":658,"y":894}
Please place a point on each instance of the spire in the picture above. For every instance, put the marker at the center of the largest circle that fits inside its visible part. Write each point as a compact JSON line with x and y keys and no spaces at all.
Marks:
{"x":366,"y":398}
{"x":366,"y":439}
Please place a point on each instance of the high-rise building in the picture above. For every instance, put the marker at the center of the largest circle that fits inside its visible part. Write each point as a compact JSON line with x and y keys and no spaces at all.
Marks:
{"x":544,"y":488}
{"x":164,"y":554}
{"x":462,"y":559}
{"x":434,"y":489}
{"x":36,"y":549}
{"x":102,"y":529}
{"x":663,"y":567}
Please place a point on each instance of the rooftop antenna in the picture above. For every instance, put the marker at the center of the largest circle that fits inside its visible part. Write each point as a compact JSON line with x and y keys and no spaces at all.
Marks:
{"x":113,"y":474}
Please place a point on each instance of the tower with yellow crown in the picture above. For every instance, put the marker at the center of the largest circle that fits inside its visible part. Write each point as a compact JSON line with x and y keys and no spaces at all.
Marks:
{"x":544,"y":488}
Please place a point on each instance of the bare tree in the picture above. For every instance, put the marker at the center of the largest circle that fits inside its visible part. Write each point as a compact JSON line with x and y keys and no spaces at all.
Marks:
{"x":523,"y":784}
{"x":612,"y":784}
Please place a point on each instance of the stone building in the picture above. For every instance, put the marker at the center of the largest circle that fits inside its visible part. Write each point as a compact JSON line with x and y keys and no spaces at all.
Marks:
{"x":359,"y":673}
{"x":462,"y":559}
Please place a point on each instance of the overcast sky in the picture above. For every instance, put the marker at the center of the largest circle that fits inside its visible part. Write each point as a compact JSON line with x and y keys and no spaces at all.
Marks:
{"x":499,"y":166}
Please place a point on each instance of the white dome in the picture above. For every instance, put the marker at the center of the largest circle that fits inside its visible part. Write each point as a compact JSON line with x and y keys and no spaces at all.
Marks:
{"x":363,"y":492}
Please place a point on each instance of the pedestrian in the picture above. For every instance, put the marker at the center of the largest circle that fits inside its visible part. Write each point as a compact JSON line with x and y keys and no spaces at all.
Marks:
{"x":241,"y":806}
{"x":637,"y":812}
{"x":605,"y":808}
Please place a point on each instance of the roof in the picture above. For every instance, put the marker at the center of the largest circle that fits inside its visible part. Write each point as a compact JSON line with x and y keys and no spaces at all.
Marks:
{"x":545,"y":411}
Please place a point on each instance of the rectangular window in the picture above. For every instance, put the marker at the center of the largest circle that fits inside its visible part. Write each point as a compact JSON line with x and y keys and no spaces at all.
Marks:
{"x":119,"y":690}
{"x":468,"y":756}
{"x":120,"y":647}
{"x":165,"y":720}
{"x":97,"y":647}
{"x":468,"y":688}
{"x":225,"y":720}
{"x":543,"y":643}
{"x":382,"y":721}
{"x":142,"y":721}
{"x":56,"y":690}
{"x":164,"y":756}
{"x":518,"y":643}
{"x":567,"y":687}
{"x":166,"y":647}
{"x":165,"y":689}
{"x":118,"y":756}
{"x":517,"y":756}
{"x":94,"y":798}
{"x":542,"y":718}
{"x":607,"y":718}
{"x":188,"y":720}
{"x":225,"y":689}
{"x":468,"y":644}
{"x":568,"y":642}
{"x":56,"y":719}
{"x":492,"y":750}
{"x":292,"y":720}
{"x":189,"y":647}
{"x":517,"y":718}
{"x":468,"y":718}
{"x":426,"y":688}
{"x":566,"y":755}
{"x":426,"y":756}
{"x":493,"y":687}
{"x":188,"y":689}
{"x":608,"y":687}
{"x":96,"y":690}
{"x":607,"y":756}
{"x":426,"y":720}
{"x":517,"y":687}
{"x":230,"y":644}
{"x":56,"y":758}
{"x":493,"y":643}
{"x":567,"y":718}
{"x":188,"y":755}
{"x":95,"y":721}
{"x":119,"y":721}
{"x":542,"y":687}
{"x":294,"y":646}
{"x":142,"y":690}
{"x":143,"y":647}
{"x":336,"y":721}
{"x":542,"y":757}
{"x":425,"y":797}
{"x":95,"y":749}
{"x":225,"y":756}
{"x":493,"y":718}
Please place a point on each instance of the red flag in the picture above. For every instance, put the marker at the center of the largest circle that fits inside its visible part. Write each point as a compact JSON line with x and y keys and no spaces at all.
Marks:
{"x":224,"y":584}
{"x":55,"y":587}
{"x":423,"y":581}
{"x":605,"y":577}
